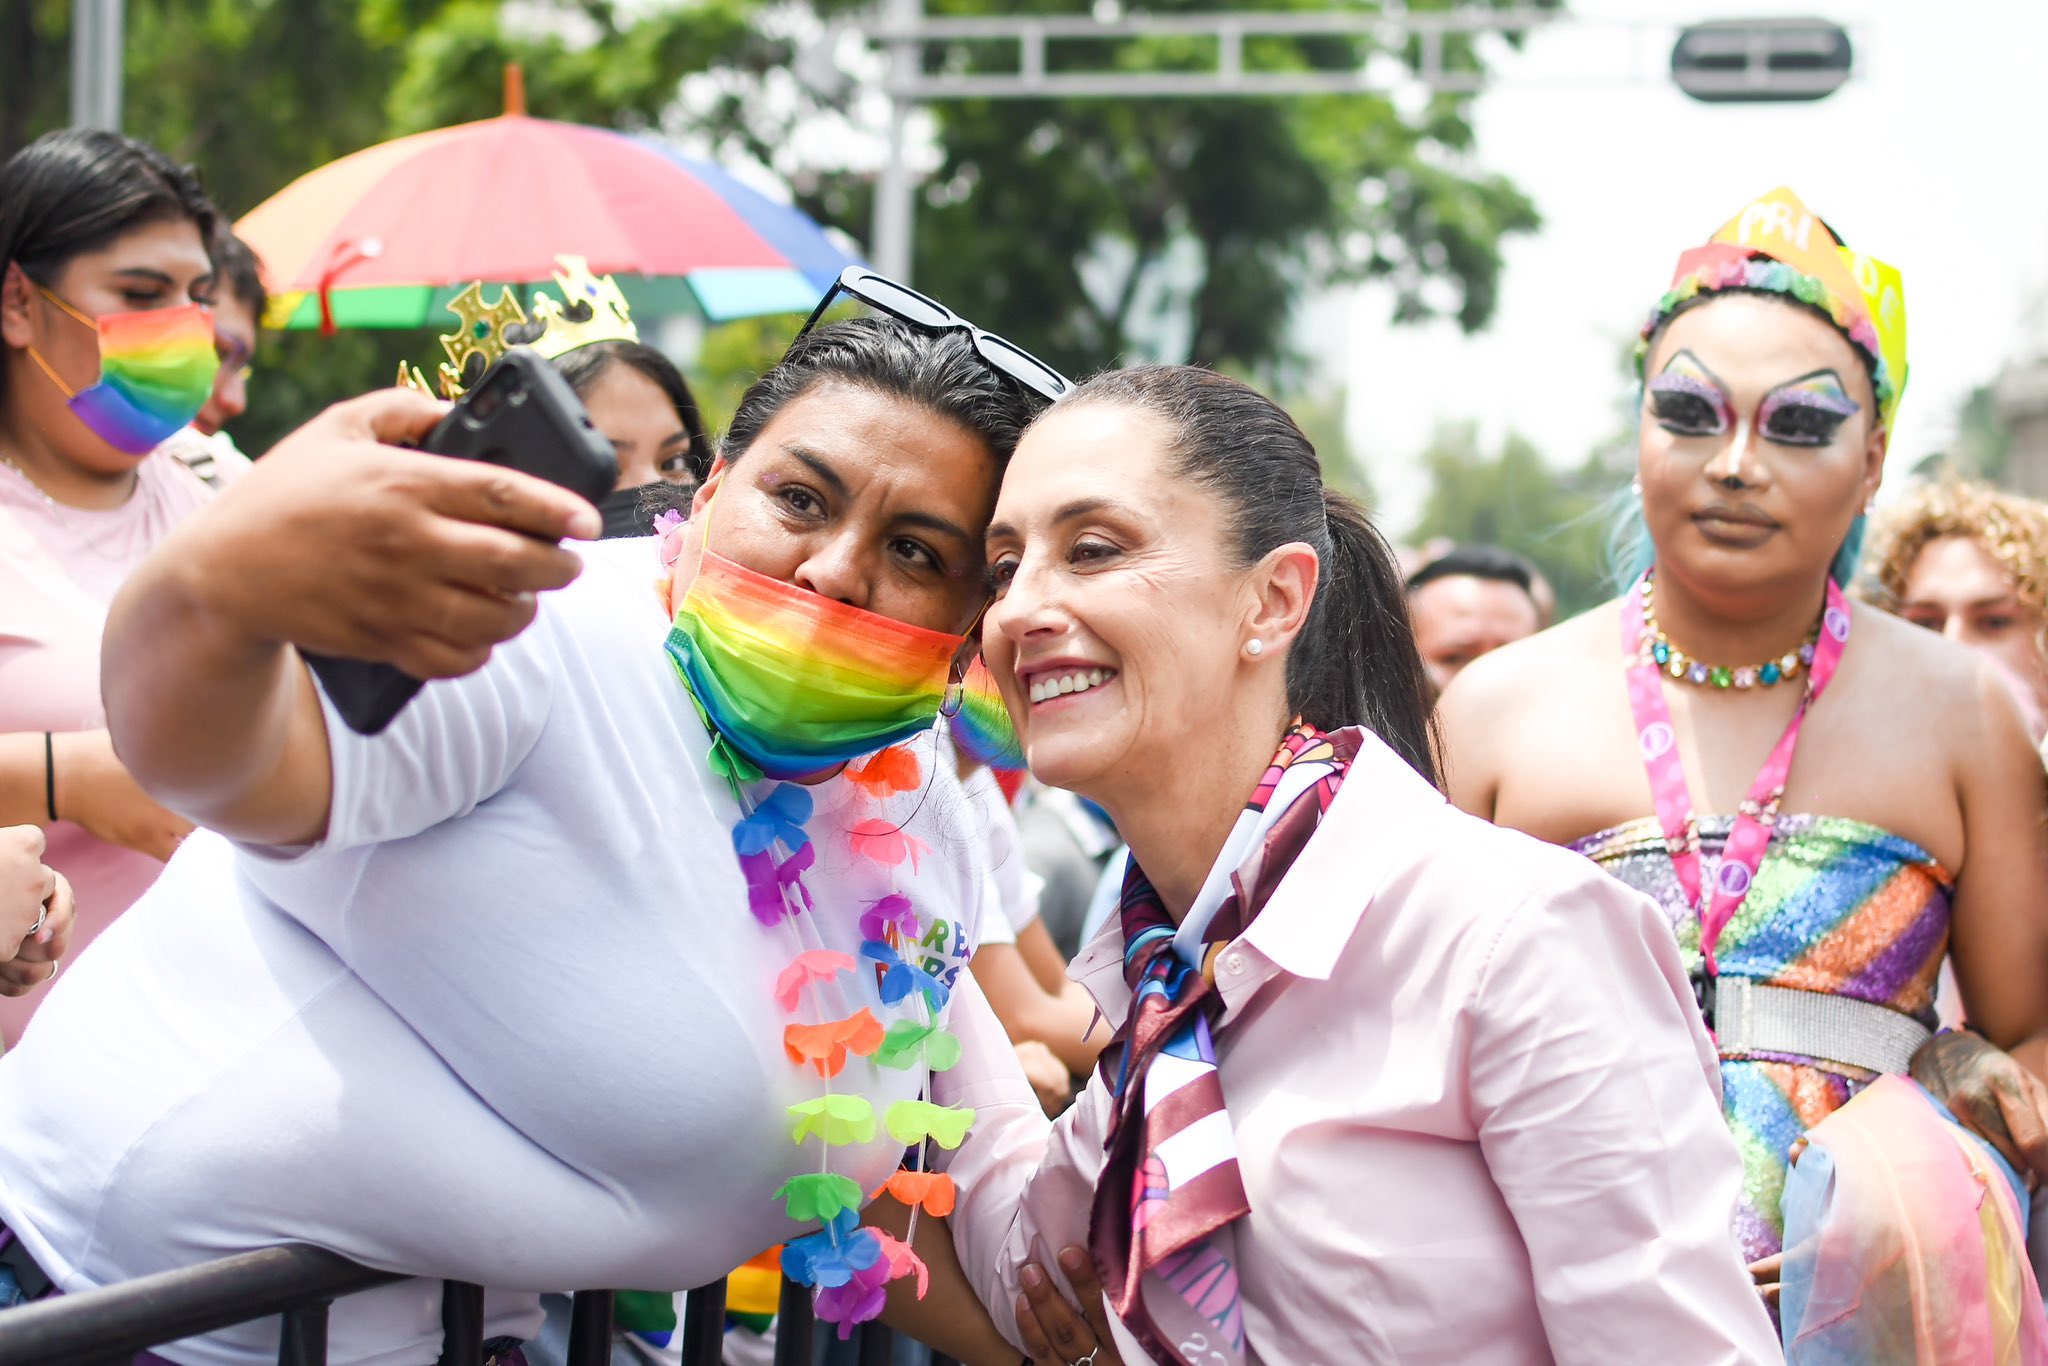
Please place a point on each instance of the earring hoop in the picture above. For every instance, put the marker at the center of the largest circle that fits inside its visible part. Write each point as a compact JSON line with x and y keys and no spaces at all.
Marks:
{"x":1255,"y":646}
{"x":956,"y":690}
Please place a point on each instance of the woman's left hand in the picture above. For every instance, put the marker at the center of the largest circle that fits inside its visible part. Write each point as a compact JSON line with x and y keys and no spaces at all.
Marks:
{"x":1767,"y":1272}
{"x":1053,"y":1332}
{"x":1991,"y":1095}
{"x":35,"y":957}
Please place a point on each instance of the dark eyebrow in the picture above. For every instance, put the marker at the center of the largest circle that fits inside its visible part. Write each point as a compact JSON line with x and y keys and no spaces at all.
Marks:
{"x":1699,"y":365}
{"x":1080,"y":507}
{"x":155,"y":277}
{"x":816,"y":465}
{"x":830,"y":477}
{"x":1973,"y":605}
{"x":931,"y":522}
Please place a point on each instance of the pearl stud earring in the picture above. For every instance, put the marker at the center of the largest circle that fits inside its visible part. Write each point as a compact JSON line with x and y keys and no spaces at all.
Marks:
{"x":1255,"y":646}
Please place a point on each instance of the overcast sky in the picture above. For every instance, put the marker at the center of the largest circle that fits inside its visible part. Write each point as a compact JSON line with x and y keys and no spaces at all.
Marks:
{"x":1928,"y":159}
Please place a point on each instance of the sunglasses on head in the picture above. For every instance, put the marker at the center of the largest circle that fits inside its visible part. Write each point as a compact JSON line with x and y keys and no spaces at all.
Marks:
{"x":905,"y":304}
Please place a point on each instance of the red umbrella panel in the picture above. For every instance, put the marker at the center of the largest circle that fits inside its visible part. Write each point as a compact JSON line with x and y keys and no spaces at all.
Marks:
{"x":380,"y":238}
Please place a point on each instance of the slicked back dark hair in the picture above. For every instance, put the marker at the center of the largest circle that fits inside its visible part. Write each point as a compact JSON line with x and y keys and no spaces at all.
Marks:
{"x":1355,"y":661}
{"x":937,"y":371}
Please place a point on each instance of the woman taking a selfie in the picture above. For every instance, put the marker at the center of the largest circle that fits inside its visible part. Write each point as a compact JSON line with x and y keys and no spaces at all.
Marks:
{"x":489,"y":995}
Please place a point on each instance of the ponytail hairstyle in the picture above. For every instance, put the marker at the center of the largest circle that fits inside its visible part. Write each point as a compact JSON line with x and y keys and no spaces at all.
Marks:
{"x":1355,"y":661}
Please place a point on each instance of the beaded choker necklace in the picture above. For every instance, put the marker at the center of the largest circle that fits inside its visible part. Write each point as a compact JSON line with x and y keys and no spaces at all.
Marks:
{"x":1656,"y":648}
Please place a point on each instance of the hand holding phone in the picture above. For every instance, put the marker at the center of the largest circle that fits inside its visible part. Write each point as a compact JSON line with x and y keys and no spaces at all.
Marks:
{"x":524,"y":416}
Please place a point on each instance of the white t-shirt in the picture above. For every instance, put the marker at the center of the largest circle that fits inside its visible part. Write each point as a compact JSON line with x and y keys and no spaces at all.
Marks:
{"x":1010,"y":889}
{"x":511,"y":1022}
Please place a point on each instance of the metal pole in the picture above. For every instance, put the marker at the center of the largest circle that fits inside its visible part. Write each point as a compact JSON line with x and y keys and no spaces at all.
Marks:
{"x":96,"y":63}
{"x":895,"y":190}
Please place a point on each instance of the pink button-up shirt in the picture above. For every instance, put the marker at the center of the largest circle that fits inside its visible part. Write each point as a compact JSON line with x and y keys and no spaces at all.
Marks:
{"x":1476,"y":1112}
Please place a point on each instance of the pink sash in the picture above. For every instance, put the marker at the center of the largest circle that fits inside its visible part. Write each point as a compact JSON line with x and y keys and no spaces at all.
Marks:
{"x":1751,"y":836}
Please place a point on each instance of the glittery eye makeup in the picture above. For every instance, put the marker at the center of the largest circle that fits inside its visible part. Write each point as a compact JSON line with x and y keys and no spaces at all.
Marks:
{"x":1688,"y":401}
{"x":1806,"y":412}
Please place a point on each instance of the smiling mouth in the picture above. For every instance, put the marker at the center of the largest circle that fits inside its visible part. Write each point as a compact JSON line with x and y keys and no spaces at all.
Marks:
{"x":1047,"y":686}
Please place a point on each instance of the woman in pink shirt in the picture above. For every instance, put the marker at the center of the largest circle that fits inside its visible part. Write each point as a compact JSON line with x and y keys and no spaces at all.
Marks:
{"x":103,"y":353}
{"x":1388,"y":1083}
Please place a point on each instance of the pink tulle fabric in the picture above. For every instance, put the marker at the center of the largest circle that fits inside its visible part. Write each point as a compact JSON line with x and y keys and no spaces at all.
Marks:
{"x":1905,"y":1242}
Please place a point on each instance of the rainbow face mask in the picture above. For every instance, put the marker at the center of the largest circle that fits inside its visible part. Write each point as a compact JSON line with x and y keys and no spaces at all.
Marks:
{"x":799,"y":683}
{"x":156,"y":373}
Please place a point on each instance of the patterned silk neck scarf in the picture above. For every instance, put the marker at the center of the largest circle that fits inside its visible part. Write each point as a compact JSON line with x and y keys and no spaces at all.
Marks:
{"x":1170,"y":1189}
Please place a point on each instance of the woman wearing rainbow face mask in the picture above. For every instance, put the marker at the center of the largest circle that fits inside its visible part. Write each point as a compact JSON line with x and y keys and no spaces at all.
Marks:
{"x":626,"y":951}
{"x":1825,"y":801}
{"x":103,"y":353}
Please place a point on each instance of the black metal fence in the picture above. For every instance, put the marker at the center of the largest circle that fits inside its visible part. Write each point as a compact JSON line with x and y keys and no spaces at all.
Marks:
{"x":107,"y":1327}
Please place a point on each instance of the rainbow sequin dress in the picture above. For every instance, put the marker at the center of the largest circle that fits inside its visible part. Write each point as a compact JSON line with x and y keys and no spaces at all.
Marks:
{"x":1838,"y":906}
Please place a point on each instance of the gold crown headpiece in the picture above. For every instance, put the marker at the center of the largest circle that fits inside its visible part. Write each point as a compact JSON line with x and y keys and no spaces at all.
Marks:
{"x":486,"y":332}
{"x":592,"y":309}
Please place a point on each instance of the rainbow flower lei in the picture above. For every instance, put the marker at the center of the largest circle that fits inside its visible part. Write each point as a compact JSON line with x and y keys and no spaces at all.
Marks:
{"x":847,"y":1265}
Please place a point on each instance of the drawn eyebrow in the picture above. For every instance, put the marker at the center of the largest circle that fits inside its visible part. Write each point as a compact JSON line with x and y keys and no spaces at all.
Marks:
{"x":1696,"y":363}
{"x":1830,"y":375}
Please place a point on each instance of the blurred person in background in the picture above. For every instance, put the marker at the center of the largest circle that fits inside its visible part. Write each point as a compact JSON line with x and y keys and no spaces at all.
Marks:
{"x":238,"y":302}
{"x":1469,"y":601}
{"x":1068,"y":841}
{"x":1017,"y":965}
{"x":105,"y":352}
{"x":643,"y":405}
{"x":634,"y":394}
{"x":1970,"y":562}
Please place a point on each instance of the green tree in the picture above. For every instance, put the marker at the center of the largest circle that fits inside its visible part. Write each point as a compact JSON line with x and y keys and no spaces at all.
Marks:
{"x":1219,"y":213}
{"x":1515,"y":500}
{"x":1264,"y":197}
{"x":1981,"y":445}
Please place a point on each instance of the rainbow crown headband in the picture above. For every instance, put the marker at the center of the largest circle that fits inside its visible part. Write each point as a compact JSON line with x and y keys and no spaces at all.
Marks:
{"x":1778,"y":246}
{"x":592,"y":309}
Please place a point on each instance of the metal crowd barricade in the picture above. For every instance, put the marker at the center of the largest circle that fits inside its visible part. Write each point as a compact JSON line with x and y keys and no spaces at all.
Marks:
{"x":107,"y":1327}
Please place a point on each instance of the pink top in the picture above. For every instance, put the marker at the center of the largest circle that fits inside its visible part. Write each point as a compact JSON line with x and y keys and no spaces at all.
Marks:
{"x":59,"y":567}
{"x":1475,"y":1110}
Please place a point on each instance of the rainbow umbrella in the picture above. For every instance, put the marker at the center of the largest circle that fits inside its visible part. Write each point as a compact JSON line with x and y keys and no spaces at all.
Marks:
{"x":386,"y":236}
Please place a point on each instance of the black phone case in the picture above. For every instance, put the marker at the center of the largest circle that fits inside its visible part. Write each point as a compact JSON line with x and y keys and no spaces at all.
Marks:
{"x":523,"y":415}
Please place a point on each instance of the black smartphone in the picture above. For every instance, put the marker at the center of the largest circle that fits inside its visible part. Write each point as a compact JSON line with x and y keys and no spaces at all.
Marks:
{"x":523,"y":415}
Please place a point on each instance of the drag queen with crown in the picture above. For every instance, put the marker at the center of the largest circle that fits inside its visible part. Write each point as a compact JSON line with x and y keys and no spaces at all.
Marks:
{"x":1825,"y":800}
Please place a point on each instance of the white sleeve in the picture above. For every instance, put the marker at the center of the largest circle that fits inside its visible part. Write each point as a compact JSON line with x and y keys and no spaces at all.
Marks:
{"x":456,"y":743}
{"x":1026,"y":1185}
{"x":1596,"y":1112}
{"x":1012,"y":890}
{"x":995,"y":916}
